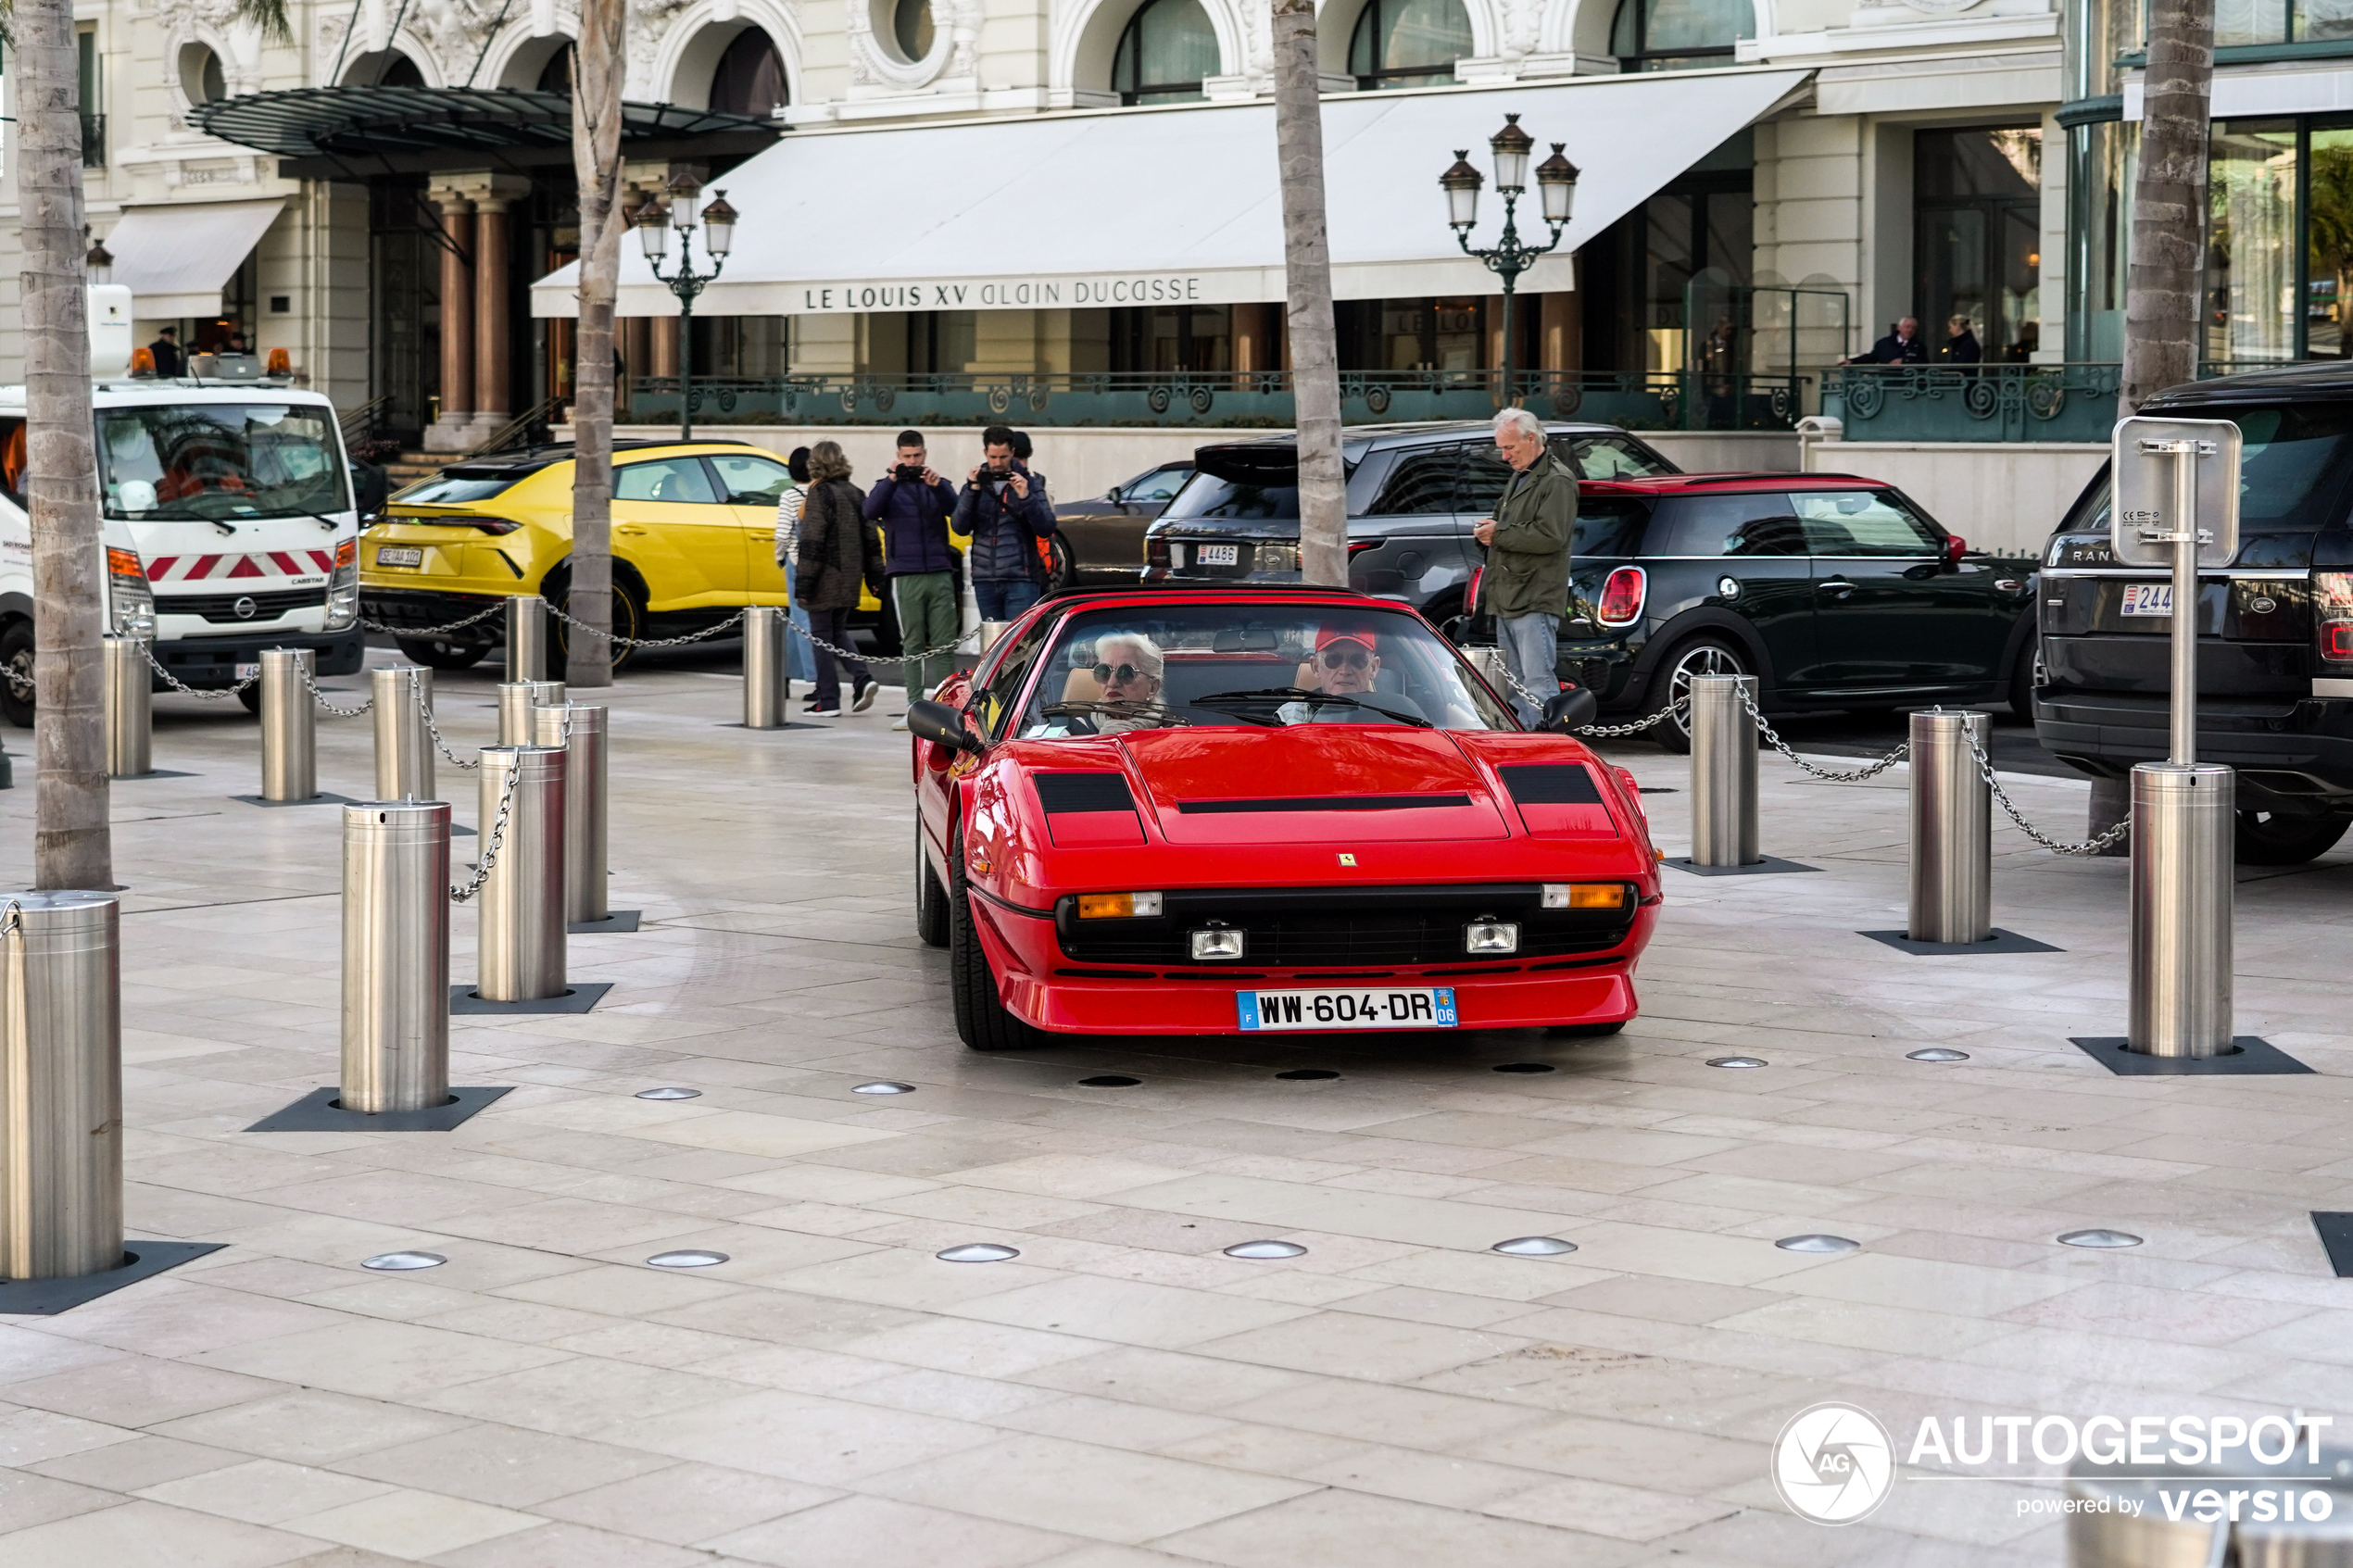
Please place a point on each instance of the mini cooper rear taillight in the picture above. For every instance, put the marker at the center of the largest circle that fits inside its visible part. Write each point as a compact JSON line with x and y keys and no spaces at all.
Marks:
{"x":1621,"y":599}
{"x":2333,"y":615}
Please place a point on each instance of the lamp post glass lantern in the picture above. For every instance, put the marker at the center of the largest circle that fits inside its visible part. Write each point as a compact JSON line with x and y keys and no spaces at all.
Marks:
{"x":654,"y":224}
{"x":1510,"y":256}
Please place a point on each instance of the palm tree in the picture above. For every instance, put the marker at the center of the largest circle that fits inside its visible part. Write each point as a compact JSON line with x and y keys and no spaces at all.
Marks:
{"x":595,"y":157}
{"x":1308,"y":267}
{"x":2169,"y":203}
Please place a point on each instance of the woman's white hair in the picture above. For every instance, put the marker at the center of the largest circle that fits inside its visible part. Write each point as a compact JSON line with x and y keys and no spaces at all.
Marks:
{"x":1147,"y":654}
{"x":1520,"y":422}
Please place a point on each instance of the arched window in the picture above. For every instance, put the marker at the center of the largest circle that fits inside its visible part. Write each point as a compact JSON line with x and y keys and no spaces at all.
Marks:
{"x":1164,"y":51}
{"x":1408,"y":43}
{"x":912,"y":30}
{"x":556,"y":75}
{"x":200,"y":75}
{"x":1679,"y":34}
{"x":750,"y":76}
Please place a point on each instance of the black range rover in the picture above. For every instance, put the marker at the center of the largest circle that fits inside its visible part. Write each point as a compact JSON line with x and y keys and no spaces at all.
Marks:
{"x":2275,"y":631}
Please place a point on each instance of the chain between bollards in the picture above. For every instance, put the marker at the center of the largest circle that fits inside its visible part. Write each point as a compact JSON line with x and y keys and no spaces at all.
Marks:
{"x":424,"y":711}
{"x":492,"y":841}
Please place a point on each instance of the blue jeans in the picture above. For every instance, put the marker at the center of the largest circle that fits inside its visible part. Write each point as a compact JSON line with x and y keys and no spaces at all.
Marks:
{"x":1005,"y":600}
{"x":1531,"y":652}
{"x":799,"y":666}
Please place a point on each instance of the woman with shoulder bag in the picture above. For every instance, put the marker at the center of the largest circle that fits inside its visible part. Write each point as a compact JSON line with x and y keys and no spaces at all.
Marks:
{"x":829,"y":564}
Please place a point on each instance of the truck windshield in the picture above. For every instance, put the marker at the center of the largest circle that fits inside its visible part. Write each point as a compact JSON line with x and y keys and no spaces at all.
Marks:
{"x":219,"y":461}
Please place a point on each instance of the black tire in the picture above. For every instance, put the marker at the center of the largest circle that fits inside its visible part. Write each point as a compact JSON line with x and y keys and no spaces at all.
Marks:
{"x":982,"y":1021}
{"x":251,"y":700}
{"x":2275,"y":838}
{"x":16,"y":660}
{"x":435,"y":654}
{"x":628,"y":615}
{"x":1062,"y":571}
{"x":931,"y":899}
{"x":1670,"y":686}
{"x":2021,"y":693}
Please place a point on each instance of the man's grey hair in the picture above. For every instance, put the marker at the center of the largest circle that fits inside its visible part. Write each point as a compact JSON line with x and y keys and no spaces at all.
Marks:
{"x":1520,"y":421}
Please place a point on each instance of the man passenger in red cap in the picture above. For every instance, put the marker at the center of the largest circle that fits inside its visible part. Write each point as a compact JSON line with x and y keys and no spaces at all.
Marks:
{"x":1343,"y":665}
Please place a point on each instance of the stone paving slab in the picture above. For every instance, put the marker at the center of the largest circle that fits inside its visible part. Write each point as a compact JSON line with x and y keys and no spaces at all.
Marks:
{"x":1124,"y":1393}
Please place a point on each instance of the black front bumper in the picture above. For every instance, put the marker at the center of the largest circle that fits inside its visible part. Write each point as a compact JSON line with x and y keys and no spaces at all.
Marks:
{"x":210,"y":663}
{"x":413,"y":612}
{"x":2288,"y":752}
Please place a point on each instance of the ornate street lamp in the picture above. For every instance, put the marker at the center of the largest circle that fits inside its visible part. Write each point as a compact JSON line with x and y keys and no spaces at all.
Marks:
{"x":654,"y":225}
{"x":1557,"y":189}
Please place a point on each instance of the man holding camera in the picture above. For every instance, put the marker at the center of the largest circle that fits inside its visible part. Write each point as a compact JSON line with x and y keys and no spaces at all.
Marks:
{"x":1004,"y":508}
{"x":913,"y":504}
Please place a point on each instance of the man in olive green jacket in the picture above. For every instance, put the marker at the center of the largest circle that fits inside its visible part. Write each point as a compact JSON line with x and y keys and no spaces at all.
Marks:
{"x":1526,"y":584}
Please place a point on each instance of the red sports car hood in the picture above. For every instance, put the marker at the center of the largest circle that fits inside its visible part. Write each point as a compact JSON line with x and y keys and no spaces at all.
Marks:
{"x":1312,"y":783}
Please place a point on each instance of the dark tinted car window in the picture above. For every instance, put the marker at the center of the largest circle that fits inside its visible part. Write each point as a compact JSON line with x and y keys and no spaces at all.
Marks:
{"x":1484,"y":475}
{"x":1157,"y":486}
{"x":1609,"y":525}
{"x":1211,"y":497}
{"x":1421,"y":482}
{"x":2293,"y":466}
{"x":1731,"y":525}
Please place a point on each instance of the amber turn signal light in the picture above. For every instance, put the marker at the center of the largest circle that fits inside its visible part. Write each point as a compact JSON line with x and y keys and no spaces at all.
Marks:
{"x":1584,"y":896}
{"x":1117,"y":906}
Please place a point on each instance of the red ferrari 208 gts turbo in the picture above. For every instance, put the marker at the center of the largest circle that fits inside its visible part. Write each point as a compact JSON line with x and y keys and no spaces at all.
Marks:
{"x":1252,"y":811}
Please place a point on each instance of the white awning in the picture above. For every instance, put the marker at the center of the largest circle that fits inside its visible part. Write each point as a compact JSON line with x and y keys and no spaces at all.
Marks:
{"x":176,"y":259}
{"x":1177,"y":205}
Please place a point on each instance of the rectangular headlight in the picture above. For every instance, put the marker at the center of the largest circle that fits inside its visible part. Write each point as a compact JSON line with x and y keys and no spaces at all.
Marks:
{"x":1217,"y":942}
{"x":1491,"y":936}
{"x":1584,"y":894}
{"x":1118,"y":906}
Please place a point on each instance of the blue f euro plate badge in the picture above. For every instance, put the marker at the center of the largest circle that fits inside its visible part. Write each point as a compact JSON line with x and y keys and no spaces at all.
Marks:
{"x":1420,"y":1007}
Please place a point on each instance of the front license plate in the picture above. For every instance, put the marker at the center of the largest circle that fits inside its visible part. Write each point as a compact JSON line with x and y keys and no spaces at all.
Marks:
{"x":247,"y":671}
{"x":2148,"y":599}
{"x":401,"y":555}
{"x":1218,"y":555}
{"x":1416,"y":1007}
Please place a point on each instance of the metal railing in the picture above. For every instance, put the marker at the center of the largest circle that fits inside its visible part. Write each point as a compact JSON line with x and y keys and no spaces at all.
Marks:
{"x":523,"y":428}
{"x":1973,"y":403}
{"x":1240,"y":399}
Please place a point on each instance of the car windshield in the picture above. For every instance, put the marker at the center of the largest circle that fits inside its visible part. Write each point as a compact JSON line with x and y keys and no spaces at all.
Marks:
{"x":2294,"y":461}
{"x":218,"y":460}
{"x":1261,"y":665}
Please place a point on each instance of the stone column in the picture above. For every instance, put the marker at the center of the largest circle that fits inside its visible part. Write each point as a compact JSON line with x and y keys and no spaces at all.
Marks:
{"x":1563,"y":336}
{"x":665,"y":346}
{"x":494,"y":365}
{"x":451,"y":431}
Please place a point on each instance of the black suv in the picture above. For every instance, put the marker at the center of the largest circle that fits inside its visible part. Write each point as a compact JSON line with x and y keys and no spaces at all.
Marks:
{"x":1414,"y":492}
{"x":2275,"y":629}
{"x":1834,"y":591}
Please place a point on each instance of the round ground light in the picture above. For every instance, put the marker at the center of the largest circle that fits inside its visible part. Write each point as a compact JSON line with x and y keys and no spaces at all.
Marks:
{"x":1534,"y":1247}
{"x":2100,"y":1238}
{"x":1817,"y":1243}
{"x":670,"y":1092}
{"x":883,"y":1087}
{"x":1522,"y":1067}
{"x":396,"y":1262}
{"x":1936,"y":1053}
{"x":1738,"y":1061}
{"x":1307,"y":1074}
{"x":689,"y":1258}
{"x":1266,"y":1249}
{"x":1108,"y":1081}
{"x":976,"y":1252}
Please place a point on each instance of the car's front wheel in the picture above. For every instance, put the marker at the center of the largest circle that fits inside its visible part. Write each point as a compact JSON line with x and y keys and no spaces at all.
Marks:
{"x":2275,"y":838}
{"x":1061,"y":570}
{"x":931,"y":899}
{"x":1672,"y":687}
{"x":982,"y":1021}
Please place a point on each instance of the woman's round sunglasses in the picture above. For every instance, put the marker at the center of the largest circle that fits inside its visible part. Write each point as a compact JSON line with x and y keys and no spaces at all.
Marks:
{"x":1117,"y":674}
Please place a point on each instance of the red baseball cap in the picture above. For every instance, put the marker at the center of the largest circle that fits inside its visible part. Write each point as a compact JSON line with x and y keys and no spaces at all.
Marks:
{"x":1327,"y":635}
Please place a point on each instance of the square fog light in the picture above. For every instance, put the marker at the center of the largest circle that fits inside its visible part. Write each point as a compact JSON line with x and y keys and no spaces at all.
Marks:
{"x":1488,"y":936}
{"x":1217,"y":942}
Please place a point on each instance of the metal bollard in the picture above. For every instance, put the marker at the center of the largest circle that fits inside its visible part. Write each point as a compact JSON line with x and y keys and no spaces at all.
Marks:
{"x":1724,"y":830}
{"x":1952,"y":829}
{"x":584,"y":811}
{"x":289,"y":726}
{"x":521,"y":948}
{"x":404,"y":746}
{"x":526,"y":637}
{"x":2184,"y":825}
{"x":395,"y":956}
{"x":130,"y":709}
{"x":516,"y":699}
{"x":764,"y":681}
{"x":990,"y":631}
{"x":60,"y":1086}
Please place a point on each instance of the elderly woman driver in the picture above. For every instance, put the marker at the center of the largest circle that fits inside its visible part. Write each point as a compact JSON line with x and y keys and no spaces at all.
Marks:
{"x":1128,"y":667}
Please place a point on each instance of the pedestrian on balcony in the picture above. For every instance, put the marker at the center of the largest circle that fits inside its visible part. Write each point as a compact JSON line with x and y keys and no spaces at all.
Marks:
{"x":1525,"y":584}
{"x":838,"y":552}
{"x":1960,"y":343}
{"x":913,"y":504}
{"x":1003,"y":509}
{"x":799,"y":665}
{"x":1902,"y":346}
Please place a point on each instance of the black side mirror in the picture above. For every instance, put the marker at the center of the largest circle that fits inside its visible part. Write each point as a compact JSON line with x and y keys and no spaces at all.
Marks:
{"x":941,"y":725}
{"x":1571,"y":709}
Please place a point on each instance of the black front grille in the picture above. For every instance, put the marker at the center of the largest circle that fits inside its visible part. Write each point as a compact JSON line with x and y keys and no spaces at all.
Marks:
{"x":1320,"y":928}
{"x":222,"y":608}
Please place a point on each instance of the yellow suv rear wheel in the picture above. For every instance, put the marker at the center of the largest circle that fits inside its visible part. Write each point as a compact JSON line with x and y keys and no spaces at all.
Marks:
{"x":628,"y":613}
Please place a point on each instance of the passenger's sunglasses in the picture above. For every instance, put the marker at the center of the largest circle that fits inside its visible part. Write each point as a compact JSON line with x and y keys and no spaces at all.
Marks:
{"x":1346,"y":658}
{"x":1120,"y":674}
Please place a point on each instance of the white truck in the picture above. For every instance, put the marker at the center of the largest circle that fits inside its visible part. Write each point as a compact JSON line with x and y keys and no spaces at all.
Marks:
{"x":226,"y":513}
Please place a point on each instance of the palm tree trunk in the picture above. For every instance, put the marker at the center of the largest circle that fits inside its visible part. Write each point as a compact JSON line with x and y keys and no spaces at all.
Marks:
{"x":72,"y":846}
{"x":2169,"y":203}
{"x":1307,"y":267}
{"x":595,"y":156}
